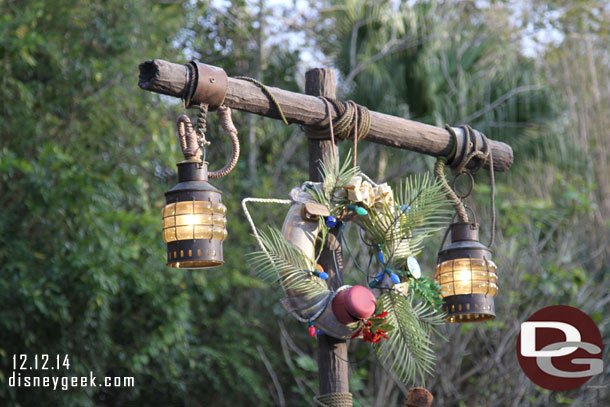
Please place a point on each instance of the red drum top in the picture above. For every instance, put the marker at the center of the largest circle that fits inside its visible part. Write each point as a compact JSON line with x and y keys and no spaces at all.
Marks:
{"x":354,"y":304}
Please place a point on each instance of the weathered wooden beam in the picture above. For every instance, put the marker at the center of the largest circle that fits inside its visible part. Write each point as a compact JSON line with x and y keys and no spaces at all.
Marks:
{"x":173,"y":79}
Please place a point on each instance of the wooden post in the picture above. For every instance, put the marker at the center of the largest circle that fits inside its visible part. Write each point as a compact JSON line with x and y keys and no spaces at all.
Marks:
{"x":332,"y":352}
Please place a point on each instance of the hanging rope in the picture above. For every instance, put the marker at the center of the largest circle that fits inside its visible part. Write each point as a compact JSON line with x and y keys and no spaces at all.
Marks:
{"x":493,"y":199}
{"x":268,"y":93}
{"x":458,"y":205}
{"x":334,"y":400}
{"x":247,"y":212}
{"x":224,"y":115}
{"x":202,"y":116}
{"x":355,"y":107}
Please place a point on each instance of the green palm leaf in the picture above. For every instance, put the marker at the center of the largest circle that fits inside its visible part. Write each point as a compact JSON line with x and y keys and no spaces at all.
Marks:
{"x":282,"y":261}
{"x":408,"y":350}
{"x":420,"y":209}
{"x":330,"y":193}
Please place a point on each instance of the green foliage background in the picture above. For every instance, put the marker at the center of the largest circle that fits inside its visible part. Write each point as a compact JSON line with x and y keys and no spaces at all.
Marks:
{"x":85,"y":157}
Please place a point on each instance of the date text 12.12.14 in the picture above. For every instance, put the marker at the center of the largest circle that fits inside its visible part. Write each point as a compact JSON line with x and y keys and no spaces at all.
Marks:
{"x":41,"y":362}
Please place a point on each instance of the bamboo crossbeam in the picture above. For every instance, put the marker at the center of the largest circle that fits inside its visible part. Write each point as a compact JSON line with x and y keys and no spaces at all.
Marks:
{"x":173,"y":79}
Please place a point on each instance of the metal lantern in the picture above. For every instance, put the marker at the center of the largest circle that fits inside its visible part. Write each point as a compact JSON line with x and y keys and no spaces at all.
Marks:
{"x":467,"y":276}
{"x":194,"y":219}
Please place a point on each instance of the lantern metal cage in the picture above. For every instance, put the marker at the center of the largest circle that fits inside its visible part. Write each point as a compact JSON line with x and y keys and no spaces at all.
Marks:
{"x":194,"y":219}
{"x":467,"y":276}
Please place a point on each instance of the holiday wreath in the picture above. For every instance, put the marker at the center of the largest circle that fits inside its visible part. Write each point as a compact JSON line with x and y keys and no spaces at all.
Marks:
{"x":399,"y":311}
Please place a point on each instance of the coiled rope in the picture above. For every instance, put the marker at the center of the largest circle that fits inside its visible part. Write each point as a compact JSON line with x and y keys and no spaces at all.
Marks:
{"x":351,"y":118}
{"x":334,"y":400}
{"x":348,"y":114}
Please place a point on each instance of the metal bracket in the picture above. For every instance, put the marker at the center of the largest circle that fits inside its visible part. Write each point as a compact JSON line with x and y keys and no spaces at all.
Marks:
{"x":209,"y":85}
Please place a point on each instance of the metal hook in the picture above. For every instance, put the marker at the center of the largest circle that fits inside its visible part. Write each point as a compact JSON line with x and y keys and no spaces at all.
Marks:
{"x":469,"y":190}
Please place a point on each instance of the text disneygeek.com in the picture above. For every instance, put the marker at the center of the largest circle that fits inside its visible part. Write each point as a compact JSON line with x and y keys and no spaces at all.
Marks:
{"x":24,"y":364}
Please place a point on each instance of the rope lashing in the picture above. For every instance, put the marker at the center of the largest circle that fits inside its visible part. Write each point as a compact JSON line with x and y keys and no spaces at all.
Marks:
{"x":192,"y":142}
{"x":334,"y":400}
{"x":472,"y":152}
{"x":188,"y":138}
{"x":268,"y":93}
{"x":351,"y":117}
{"x":459,"y":160}
{"x":346,"y":112}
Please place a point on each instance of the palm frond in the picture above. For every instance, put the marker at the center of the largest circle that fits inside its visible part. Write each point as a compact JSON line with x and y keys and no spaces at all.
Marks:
{"x":335,"y":177}
{"x":282,"y":261}
{"x":420,"y":208}
{"x":408,"y":350}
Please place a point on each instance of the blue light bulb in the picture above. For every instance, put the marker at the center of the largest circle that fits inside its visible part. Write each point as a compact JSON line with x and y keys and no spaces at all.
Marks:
{"x":320,"y":274}
{"x":331,"y":221}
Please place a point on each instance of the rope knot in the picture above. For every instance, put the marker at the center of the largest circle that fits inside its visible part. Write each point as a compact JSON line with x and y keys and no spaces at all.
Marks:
{"x":351,"y":118}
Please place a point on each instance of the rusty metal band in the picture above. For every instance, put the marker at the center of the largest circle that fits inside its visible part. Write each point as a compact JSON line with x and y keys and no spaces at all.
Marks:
{"x":209,"y":83}
{"x":467,"y":141}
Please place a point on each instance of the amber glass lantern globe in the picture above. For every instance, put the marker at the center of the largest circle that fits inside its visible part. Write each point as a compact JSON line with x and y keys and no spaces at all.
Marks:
{"x":194,"y":219}
{"x":467,"y":276}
